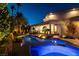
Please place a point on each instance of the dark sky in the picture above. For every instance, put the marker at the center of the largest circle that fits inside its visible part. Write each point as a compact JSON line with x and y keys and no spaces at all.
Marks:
{"x":35,"y":12}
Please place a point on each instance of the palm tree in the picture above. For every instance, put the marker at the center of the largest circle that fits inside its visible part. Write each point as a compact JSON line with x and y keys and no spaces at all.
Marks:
{"x":20,"y":17}
{"x":12,"y":8}
{"x":18,"y":6}
{"x":12,"y":24}
{"x":20,"y":22}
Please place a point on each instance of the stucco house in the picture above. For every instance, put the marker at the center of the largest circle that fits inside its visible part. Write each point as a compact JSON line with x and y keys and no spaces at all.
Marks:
{"x":58,"y":22}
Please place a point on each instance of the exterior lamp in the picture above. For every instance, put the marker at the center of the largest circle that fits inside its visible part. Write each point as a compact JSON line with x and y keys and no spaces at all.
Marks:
{"x":50,"y":16}
{"x":72,"y":13}
{"x":74,"y":9}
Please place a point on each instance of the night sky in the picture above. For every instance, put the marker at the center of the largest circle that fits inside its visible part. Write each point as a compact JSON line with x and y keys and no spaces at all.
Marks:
{"x":35,"y":12}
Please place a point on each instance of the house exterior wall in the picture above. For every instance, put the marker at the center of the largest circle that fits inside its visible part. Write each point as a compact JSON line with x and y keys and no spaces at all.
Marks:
{"x":54,"y":28}
{"x":59,"y":24}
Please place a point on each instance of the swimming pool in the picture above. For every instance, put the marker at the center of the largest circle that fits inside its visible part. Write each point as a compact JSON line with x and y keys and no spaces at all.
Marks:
{"x":50,"y":47}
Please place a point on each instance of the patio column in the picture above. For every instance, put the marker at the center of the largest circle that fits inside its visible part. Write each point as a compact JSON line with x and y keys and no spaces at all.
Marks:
{"x":50,"y":27}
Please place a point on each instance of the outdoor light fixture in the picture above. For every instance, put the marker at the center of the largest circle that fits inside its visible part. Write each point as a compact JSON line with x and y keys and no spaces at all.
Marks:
{"x":55,"y":43}
{"x":50,"y":16}
{"x":72,"y":13}
{"x":74,"y":9}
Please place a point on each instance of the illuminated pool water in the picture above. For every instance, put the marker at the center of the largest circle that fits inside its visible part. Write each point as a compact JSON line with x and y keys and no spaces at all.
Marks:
{"x":53,"y":47}
{"x":51,"y":50}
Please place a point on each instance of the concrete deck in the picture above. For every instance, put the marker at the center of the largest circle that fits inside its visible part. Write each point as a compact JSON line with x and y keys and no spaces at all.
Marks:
{"x":73,"y":41}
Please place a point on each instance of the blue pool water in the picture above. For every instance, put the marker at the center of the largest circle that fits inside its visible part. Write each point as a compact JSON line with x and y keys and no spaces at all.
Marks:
{"x":54,"y":40}
{"x":30,"y":39}
{"x":51,"y":48}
